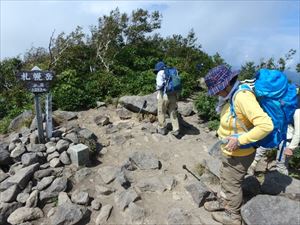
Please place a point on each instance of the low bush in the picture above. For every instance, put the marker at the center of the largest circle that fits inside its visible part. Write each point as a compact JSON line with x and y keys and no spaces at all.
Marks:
{"x":206,"y":106}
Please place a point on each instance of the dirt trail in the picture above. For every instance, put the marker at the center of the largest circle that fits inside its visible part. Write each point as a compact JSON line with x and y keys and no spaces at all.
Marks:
{"x":191,"y":149}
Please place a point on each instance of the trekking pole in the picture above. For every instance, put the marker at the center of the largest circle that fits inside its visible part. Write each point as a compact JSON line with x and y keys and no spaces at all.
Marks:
{"x":143,"y":106}
{"x":185,"y":168}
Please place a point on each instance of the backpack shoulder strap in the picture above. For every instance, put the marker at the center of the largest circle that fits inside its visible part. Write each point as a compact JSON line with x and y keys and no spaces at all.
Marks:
{"x":242,"y":87}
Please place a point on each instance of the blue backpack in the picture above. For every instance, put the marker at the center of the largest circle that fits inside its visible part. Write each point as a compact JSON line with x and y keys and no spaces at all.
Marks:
{"x":172,"y":81}
{"x":278,"y":98}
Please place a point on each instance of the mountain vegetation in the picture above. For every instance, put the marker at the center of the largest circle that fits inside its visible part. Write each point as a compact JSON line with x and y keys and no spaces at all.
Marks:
{"x":116,"y":58}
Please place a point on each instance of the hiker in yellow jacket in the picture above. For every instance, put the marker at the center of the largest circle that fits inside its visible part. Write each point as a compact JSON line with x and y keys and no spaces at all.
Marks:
{"x":221,"y":81}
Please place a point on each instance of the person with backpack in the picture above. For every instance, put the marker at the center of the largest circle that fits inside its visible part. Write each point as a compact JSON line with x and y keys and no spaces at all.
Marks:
{"x":293,"y":141}
{"x":167,"y":86}
{"x":222,"y":82}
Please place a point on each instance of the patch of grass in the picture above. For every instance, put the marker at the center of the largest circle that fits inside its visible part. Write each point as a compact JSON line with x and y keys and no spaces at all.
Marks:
{"x":4,"y":124}
{"x":261,"y":178}
{"x":295,"y":175}
{"x":27,"y":122}
{"x":200,"y":169}
{"x":213,"y":124}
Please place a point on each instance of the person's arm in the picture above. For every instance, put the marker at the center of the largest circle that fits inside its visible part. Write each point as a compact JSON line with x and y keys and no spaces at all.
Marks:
{"x":296,"y":135}
{"x":250,"y":108}
{"x":160,"y":80}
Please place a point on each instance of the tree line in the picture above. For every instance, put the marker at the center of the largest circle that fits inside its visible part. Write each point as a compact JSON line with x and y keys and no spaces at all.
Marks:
{"x":116,"y":58}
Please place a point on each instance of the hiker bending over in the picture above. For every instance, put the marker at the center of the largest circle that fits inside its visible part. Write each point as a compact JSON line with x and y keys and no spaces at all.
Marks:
{"x":166,"y":101}
{"x":222,"y":82}
{"x":293,"y":141}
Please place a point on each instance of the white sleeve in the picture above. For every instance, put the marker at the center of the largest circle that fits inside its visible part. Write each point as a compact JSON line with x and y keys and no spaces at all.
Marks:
{"x":296,"y":134}
{"x":160,"y":80}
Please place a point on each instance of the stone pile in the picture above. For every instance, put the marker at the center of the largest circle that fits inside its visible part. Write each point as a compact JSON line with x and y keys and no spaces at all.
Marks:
{"x":34,"y":174}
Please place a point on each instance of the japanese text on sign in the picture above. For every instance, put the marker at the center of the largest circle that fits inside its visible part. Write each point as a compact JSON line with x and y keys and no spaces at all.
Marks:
{"x":36,"y":81}
{"x":36,"y":76}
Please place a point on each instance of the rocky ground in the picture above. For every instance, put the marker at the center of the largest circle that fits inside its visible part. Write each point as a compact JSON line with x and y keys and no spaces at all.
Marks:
{"x":135,"y":176}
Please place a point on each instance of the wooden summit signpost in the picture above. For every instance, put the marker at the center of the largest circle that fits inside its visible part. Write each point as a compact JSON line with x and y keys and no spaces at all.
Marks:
{"x":38,"y":82}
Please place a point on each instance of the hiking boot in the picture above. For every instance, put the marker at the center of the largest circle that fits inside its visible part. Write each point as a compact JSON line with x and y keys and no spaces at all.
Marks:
{"x":176,"y":133}
{"x":162,"y":131}
{"x":227,"y":218}
{"x":213,"y":206}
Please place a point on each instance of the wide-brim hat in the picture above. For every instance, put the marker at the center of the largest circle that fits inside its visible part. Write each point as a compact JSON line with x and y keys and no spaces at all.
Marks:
{"x":159,"y":66}
{"x":218,"y":78}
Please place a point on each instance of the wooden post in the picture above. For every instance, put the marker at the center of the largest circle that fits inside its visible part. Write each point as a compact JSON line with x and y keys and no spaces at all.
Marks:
{"x":39,"y":118}
{"x":48,"y":109}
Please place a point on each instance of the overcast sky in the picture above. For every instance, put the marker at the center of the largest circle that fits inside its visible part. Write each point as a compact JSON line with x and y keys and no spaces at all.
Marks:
{"x":239,"y":30}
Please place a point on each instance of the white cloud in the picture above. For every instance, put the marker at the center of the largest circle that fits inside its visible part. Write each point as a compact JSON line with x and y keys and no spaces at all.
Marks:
{"x":238,"y":30}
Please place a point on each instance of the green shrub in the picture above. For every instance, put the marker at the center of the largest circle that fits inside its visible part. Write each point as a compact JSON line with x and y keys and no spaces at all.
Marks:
{"x":139,"y":83}
{"x":189,"y":84}
{"x":294,"y":162}
{"x":4,"y":123}
{"x":213,"y":124}
{"x":69,"y":94}
{"x":206,"y":106}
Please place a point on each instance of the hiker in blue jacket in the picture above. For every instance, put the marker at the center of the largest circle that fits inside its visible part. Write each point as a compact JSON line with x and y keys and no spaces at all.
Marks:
{"x":165,"y":102}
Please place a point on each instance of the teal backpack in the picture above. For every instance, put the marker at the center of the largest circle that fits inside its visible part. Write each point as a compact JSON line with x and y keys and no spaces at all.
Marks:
{"x":278,"y":98}
{"x":172,"y":80}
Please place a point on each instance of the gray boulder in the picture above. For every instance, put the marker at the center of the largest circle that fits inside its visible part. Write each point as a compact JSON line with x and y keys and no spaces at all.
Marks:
{"x":80,"y":197}
{"x":125,"y":197}
{"x":104,"y":214}
{"x":63,"y":116}
{"x":20,"y":120}
{"x":21,"y":177}
{"x":199,"y":192}
{"x":108,"y":173}
{"x":87,"y":134}
{"x":29,"y":158}
{"x":62,"y":145}
{"x":4,"y":154}
{"x":3,"y":176}
{"x":22,"y":197}
{"x":68,"y":214}
{"x":24,"y":214}
{"x":72,"y":137}
{"x":145,"y":160}
{"x":151,"y":184}
{"x":102,"y":120}
{"x":63,"y":198}
{"x":44,"y":183}
{"x":10,"y":194}
{"x":136,"y":103}
{"x":36,"y":148}
{"x":4,"y":157}
{"x":124,"y":113}
{"x":18,"y":150}
{"x":185,"y":108}
{"x":59,"y":184}
{"x":270,"y":210}
{"x":6,"y":209}
{"x":33,"y":199}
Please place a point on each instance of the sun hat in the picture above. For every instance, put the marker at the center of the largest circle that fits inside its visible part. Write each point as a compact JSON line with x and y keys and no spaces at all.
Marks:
{"x":159,"y":66}
{"x":218,"y":78}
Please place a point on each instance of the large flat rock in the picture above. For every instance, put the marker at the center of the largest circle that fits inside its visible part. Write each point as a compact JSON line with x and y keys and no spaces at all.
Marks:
{"x":271,"y":210}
